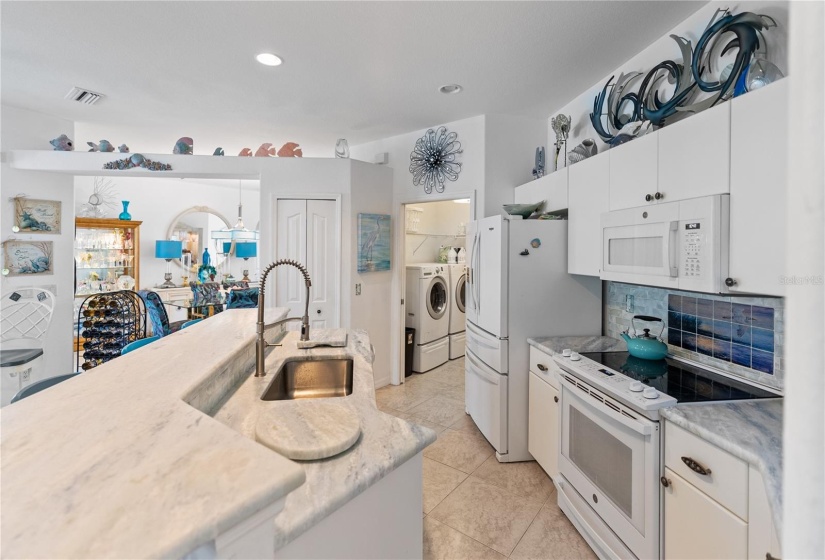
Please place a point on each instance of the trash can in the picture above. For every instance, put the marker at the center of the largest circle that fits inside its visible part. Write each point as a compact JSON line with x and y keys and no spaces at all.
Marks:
{"x":409,"y":345}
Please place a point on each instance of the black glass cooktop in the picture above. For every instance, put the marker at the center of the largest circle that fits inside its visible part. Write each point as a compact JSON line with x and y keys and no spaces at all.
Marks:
{"x":683,"y":382}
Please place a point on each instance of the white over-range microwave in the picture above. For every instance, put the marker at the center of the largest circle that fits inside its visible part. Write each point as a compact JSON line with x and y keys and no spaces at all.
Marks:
{"x":680,"y":245}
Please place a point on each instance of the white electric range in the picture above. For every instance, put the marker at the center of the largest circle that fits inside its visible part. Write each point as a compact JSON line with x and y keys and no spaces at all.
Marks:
{"x":610,"y":444}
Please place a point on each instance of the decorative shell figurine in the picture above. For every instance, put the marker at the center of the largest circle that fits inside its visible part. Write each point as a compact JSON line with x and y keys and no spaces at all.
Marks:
{"x":246,"y":152}
{"x":184,"y":146}
{"x":290,"y":149}
{"x":218,"y":151}
{"x":123,"y":149}
{"x":583,"y":151}
{"x":62,"y":144}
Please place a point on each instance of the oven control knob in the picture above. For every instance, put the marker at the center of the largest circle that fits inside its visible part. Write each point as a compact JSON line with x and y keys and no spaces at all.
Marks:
{"x":575,"y":356}
{"x":566,"y":352}
{"x":637,"y":387}
{"x":650,"y":393}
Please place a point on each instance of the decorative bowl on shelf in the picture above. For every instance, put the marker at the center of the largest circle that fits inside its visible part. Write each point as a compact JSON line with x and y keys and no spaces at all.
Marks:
{"x":523,"y":210}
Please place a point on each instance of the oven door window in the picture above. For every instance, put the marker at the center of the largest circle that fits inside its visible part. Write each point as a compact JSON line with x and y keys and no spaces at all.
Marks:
{"x":603,"y":458}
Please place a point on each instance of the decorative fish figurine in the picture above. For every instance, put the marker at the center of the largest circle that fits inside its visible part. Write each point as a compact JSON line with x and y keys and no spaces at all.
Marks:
{"x":104,"y":146}
{"x":62,"y":144}
{"x":123,"y":149}
{"x":265,"y":150}
{"x":246,"y":152}
{"x":290,"y":149}
{"x":218,"y":151}
{"x":183,"y":146}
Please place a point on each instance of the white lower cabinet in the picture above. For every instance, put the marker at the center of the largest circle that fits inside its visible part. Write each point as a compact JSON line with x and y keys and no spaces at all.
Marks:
{"x":697,"y":527}
{"x":715,"y":505}
{"x":543,"y":412}
{"x":543,"y":425}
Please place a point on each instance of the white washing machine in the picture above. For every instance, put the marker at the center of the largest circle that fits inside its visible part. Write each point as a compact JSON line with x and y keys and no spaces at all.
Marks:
{"x":428,"y":312}
{"x":458,"y":282}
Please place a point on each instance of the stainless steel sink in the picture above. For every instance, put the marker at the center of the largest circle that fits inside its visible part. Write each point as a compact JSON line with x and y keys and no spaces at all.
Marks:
{"x":311,"y":379}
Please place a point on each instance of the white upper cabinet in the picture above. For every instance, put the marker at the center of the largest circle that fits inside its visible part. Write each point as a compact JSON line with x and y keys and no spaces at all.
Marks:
{"x":758,"y":188}
{"x":588,"y":186}
{"x":694,"y":155}
{"x":551,"y":188}
{"x":634,"y":172}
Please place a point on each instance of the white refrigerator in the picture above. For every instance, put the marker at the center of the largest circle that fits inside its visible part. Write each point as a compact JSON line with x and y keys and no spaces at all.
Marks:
{"x":517,"y":287}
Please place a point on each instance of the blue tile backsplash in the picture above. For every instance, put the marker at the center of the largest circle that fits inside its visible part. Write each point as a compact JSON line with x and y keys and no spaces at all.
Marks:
{"x":727,"y":334}
{"x":743,"y":336}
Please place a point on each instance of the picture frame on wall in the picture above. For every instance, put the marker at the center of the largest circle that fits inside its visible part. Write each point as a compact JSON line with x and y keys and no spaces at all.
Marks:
{"x":33,"y":215}
{"x":27,"y":258}
{"x":374,"y":242}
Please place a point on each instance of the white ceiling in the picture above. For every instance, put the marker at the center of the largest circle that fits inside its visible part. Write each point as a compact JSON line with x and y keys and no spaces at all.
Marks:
{"x":360,"y":70}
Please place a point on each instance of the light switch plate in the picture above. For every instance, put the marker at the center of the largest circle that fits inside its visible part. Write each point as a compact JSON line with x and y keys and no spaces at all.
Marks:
{"x":628,"y":303}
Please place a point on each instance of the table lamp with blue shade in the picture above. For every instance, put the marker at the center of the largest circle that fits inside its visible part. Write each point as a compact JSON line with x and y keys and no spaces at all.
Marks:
{"x":167,"y":249}
{"x":246,"y":251}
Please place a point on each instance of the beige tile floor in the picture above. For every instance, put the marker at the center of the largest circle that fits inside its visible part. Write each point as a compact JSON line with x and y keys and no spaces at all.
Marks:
{"x":474,"y":506}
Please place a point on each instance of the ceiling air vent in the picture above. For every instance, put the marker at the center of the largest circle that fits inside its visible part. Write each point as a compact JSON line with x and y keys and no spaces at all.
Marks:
{"x":84,"y":96}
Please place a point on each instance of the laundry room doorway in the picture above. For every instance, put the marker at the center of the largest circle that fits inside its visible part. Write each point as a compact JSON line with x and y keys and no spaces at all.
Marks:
{"x":430,"y":232}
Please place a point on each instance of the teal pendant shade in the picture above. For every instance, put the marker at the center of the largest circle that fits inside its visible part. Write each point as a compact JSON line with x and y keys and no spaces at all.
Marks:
{"x":125,"y":215}
{"x":168,"y":249}
{"x":227,"y":247}
{"x":246,"y":250}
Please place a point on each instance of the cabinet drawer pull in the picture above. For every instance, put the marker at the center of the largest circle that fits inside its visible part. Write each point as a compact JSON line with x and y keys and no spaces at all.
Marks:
{"x":695,"y":467}
{"x":658,"y":196}
{"x":769,"y":556}
{"x":665,"y":481}
{"x":648,"y":197}
{"x":541,"y":367}
{"x":555,"y":399}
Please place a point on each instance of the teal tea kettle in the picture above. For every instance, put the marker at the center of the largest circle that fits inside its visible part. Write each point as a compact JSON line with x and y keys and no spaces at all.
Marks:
{"x":646,"y":346}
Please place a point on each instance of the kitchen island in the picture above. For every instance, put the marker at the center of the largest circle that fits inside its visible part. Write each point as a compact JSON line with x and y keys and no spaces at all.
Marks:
{"x":125,"y":460}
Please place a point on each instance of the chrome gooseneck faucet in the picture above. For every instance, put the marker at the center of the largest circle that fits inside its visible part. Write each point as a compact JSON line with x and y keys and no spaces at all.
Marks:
{"x":261,"y":344}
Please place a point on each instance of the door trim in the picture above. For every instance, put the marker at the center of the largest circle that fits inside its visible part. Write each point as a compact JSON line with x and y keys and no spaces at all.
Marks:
{"x":336,"y":197}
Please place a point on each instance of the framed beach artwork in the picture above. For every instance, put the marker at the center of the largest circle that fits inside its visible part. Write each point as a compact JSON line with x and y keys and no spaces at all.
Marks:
{"x":23,"y":258}
{"x":374,"y":248}
{"x":32,"y":215}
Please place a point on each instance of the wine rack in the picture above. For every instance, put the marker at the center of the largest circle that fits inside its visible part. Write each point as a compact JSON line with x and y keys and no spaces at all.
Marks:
{"x":105,"y":324}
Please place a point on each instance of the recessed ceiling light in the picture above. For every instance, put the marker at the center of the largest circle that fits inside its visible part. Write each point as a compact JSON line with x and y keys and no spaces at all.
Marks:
{"x":450,"y":89}
{"x":269,"y":59}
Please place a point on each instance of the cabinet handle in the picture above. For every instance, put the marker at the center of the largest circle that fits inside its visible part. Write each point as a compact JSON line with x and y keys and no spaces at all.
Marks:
{"x":730,"y":282}
{"x":648,"y":197}
{"x":658,"y":195}
{"x":555,"y":399}
{"x":769,"y":556}
{"x":665,"y":482}
{"x":541,"y":367}
{"x":695,"y":467}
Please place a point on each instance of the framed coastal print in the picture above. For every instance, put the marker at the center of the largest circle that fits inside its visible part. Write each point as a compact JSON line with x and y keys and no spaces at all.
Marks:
{"x":374,"y":242}
{"x":23,"y":258}
{"x":33,"y":215}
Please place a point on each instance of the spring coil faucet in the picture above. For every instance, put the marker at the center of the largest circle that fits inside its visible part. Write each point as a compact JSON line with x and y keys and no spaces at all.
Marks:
{"x":261,"y":344}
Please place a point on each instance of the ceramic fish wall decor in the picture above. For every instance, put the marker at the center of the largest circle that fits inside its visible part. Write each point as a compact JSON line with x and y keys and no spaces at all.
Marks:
{"x":183,"y":146}
{"x":246,"y":152}
{"x":265,"y":150}
{"x":62,"y":144}
{"x":218,"y":151}
{"x":104,"y":146}
{"x":123,"y":149}
{"x":290,"y":149}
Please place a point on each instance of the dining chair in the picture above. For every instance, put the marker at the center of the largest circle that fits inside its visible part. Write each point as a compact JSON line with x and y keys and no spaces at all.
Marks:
{"x":138,"y":343}
{"x":41,"y":385}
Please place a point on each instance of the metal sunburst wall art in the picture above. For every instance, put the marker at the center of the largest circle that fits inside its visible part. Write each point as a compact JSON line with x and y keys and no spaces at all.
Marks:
{"x":619,"y":117}
{"x":433,"y":160}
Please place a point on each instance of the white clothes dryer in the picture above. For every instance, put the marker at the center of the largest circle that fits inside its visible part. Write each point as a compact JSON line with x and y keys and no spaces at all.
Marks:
{"x":458,"y":282}
{"x":428,"y":312}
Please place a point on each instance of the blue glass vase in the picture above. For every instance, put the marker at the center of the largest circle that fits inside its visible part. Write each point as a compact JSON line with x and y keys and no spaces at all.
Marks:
{"x":125,"y":215}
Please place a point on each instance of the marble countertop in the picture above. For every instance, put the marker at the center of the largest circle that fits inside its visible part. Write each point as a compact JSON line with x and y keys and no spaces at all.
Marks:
{"x":386,"y":442}
{"x":124,"y":461}
{"x":750,"y":430}
{"x":555,"y":344}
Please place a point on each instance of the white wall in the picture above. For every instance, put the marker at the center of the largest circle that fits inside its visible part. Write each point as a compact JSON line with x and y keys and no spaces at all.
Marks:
{"x":441,"y":218}
{"x":156,"y":202}
{"x":804,"y":429}
{"x":665,"y":48}
{"x":26,"y":130}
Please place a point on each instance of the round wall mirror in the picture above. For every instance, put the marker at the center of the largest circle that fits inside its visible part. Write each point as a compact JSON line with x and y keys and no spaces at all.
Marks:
{"x":194,"y":228}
